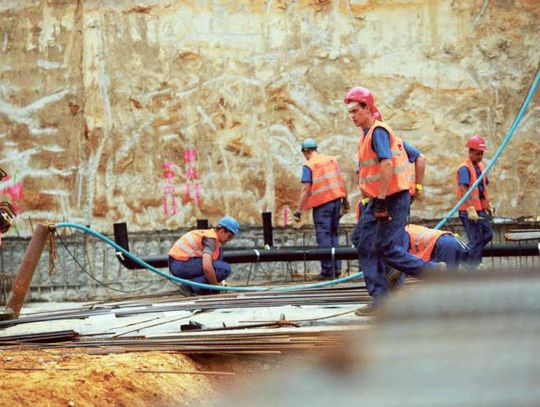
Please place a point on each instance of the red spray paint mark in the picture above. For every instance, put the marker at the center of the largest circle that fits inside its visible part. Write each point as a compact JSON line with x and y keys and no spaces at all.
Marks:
{"x":192,"y":176}
{"x":169,"y":190}
{"x":15,"y":192}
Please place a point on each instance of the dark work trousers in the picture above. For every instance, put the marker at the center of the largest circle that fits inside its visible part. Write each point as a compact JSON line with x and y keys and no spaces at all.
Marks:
{"x":192,"y":270}
{"x":479,"y":234}
{"x":326,"y":220}
{"x":450,"y":250}
{"x":381,"y":243}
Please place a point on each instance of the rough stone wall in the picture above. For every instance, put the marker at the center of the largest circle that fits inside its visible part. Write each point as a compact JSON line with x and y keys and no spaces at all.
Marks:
{"x":96,"y":95}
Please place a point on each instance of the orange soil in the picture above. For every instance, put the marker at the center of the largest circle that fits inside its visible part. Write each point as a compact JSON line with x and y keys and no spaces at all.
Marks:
{"x":102,"y":380}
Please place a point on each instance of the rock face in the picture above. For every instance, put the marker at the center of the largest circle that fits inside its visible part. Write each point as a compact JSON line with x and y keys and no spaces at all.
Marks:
{"x":161,"y":112}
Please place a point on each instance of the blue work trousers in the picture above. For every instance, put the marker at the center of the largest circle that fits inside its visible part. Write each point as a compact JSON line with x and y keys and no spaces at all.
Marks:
{"x":326,"y":220}
{"x":381,"y":243}
{"x":192,"y":269}
{"x":450,"y":250}
{"x":479,"y":234}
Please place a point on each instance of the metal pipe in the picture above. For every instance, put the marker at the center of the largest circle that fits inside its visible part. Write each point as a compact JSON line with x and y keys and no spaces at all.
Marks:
{"x":122,"y":239}
{"x":267,"y":229}
{"x":26,"y":271}
{"x":202,"y":224}
{"x":260,"y":254}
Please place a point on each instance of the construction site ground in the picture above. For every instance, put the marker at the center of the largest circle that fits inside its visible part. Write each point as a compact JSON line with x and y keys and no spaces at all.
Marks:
{"x":72,"y":376}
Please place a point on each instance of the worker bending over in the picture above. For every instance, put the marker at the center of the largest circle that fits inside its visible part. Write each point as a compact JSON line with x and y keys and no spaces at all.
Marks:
{"x":436,"y":245}
{"x":323,"y":189}
{"x":197,"y":256}
{"x":476,"y":211}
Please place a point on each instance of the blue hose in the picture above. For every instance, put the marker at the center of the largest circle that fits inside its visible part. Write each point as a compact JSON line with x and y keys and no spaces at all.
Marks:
{"x":506,"y":140}
{"x":202,"y":285}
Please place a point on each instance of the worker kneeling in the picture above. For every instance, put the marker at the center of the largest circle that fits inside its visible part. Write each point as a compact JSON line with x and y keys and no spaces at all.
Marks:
{"x":197,"y":255}
{"x":436,"y":245}
{"x":430,"y":245}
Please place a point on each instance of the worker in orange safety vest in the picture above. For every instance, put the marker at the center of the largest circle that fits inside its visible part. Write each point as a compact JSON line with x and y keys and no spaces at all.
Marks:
{"x":476,"y":212}
{"x":385,"y":179}
{"x":324,"y":191}
{"x":197,"y":256}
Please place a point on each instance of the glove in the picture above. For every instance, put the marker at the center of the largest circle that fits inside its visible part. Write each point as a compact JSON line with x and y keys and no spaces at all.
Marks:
{"x":345,"y":207}
{"x":380,"y":210}
{"x":365,"y":201}
{"x":418,"y":190}
{"x":223,"y":283}
{"x":472,"y":214}
{"x":490,"y":210}
{"x":297,"y":216}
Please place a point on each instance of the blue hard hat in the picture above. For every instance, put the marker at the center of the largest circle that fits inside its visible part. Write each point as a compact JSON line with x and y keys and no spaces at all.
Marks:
{"x":229,"y":223}
{"x":309,"y":144}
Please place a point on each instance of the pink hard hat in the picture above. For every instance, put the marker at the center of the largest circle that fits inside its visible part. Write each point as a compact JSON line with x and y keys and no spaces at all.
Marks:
{"x":477,"y":143}
{"x":360,"y":94}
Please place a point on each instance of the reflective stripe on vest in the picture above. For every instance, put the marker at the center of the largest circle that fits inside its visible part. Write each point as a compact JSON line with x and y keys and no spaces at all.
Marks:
{"x":370,"y":167}
{"x":474,"y":197}
{"x":422,"y":240}
{"x":190,"y":245}
{"x":327,"y":184}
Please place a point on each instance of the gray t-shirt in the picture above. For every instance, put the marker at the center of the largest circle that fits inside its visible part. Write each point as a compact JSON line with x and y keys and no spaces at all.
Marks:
{"x":209,"y":245}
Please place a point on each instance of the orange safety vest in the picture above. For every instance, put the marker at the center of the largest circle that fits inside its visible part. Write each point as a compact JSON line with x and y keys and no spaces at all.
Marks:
{"x":422,"y":240}
{"x":327,"y":179}
{"x":190,"y":245}
{"x":474,"y":198}
{"x":369,"y":179}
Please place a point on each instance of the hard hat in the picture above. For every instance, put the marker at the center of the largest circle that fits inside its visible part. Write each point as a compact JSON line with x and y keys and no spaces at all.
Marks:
{"x":477,"y":143}
{"x":229,"y":223}
{"x":360,"y":94}
{"x":309,"y":144}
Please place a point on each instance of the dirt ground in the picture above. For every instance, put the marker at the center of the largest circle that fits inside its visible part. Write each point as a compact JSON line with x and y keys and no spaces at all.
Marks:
{"x":70,"y":378}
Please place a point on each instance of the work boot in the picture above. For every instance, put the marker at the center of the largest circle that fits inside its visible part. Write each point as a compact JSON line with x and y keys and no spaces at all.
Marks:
{"x":435,"y":270}
{"x":185,"y":290}
{"x":367,"y":311}
{"x":393,"y":279}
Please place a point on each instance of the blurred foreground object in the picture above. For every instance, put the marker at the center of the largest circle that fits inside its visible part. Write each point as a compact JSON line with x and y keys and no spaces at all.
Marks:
{"x":470,"y":340}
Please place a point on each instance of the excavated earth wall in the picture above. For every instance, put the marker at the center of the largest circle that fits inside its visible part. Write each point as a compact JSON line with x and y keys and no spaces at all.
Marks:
{"x":161,"y":112}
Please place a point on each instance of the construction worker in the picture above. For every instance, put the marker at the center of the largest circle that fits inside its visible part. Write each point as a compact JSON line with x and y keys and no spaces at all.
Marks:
{"x":428,"y":244}
{"x":436,"y":245}
{"x":197,"y":256}
{"x":324,"y":190}
{"x":418,"y":162}
{"x":384,"y":178}
{"x":476,"y":211}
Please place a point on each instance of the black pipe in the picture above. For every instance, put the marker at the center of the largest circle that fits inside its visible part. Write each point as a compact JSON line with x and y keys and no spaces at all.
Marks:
{"x":267,"y":229}
{"x":202,"y":224}
{"x":121,"y":238}
{"x":254,"y":255}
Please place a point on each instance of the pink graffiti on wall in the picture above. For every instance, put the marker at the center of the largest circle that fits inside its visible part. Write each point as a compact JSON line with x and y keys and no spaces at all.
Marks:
{"x":15,"y":192}
{"x":192,"y":177}
{"x":192,"y":187}
{"x":169,"y":190}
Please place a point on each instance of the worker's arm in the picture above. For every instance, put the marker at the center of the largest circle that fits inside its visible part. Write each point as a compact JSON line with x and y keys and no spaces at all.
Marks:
{"x":208,"y":269}
{"x":419,"y":169}
{"x":304,"y":196}
{"x":386,"y":174}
